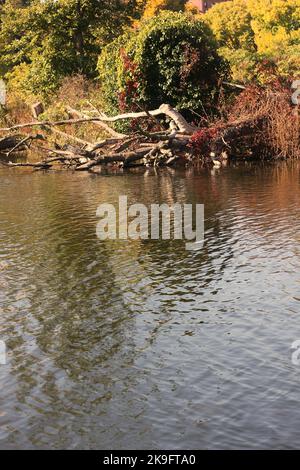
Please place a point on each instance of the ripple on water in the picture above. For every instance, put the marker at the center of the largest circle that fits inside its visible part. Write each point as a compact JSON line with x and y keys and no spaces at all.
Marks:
{"x":144,"y":344}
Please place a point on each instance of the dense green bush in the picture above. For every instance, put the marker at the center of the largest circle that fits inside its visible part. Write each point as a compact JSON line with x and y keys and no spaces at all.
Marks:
{"x":37,"y":80}
{"x":171,"y":58}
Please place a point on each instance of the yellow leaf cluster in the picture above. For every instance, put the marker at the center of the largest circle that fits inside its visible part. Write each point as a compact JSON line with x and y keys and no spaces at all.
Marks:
{"x":153,"y":7}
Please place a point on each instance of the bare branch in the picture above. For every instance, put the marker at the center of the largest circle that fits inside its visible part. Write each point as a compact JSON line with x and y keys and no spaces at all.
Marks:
{"x":98,"y":120}
{"x":167,"y":110}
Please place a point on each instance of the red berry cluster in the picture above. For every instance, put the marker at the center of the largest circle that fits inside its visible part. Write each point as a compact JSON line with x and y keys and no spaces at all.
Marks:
{"x":129,"y":96}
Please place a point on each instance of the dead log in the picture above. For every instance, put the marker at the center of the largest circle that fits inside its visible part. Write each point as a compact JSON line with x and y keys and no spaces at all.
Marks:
{"x":19,"y":145}
{"x":113,"y":158}
{"x":155,"y":149}
{"x":172,"y":160}
{"x":104,"y":143}
{"x":97,"y":122}
{"x":18,"y":142}
{"x":67,"y":136}
{"x":165,"y":109}
{"x":39,"y":165}
{"x":63,"y":122}
{"x":228,"y":138}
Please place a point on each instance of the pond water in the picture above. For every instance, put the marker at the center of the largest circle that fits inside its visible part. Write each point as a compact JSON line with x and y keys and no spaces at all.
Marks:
{"x":142,"y":344}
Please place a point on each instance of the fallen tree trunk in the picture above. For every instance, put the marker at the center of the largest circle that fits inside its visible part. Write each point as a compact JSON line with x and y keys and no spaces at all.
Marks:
{"x":182,"y":144}
{"x":66,"y":136}
{"x":232,"y":138}
{"x":39,"y":165}
{"x":165,"y":109}
{"x":99,"y":123}
{"x":113,"y":158}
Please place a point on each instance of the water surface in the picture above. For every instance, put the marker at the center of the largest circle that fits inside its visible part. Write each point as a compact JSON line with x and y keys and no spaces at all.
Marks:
{"x":142,"y":344}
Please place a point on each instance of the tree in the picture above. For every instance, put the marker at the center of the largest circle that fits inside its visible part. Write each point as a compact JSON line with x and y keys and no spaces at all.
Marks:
{"x":275,"y":23}
{"x":231,"y":24}
{"x":253,"y":32}
{"x":58,"y":37}
{"x":154,"y":7}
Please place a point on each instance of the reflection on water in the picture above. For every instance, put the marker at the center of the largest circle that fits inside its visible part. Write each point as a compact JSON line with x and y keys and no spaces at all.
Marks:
{"x":143,"y":344}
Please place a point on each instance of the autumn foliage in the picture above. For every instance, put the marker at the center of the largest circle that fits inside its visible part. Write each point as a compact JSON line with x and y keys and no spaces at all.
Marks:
{"x":252,"y":31}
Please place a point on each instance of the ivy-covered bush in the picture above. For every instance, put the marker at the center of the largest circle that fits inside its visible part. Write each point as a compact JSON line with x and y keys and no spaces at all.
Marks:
{"x":172,"y":58}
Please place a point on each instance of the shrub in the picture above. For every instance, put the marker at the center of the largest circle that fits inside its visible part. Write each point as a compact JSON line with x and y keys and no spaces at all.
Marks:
{"x":281,"y":129}
{"x":38,"y":79}
{"x":288,"y":61}
{"x":79,"y":92}
{"x":249,"y":32}
{"x":172,"y":58}
{"x":243,"y":63}
{"x":16,"y":110}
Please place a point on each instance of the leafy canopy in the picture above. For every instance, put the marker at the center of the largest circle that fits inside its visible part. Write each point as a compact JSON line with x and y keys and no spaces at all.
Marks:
{"x":251,"y":31}
{"x":55,"y":38}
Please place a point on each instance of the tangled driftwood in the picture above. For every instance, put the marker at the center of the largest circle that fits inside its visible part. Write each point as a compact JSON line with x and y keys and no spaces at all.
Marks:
{"x":179,"y":143}
{"x":156,"y":148}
